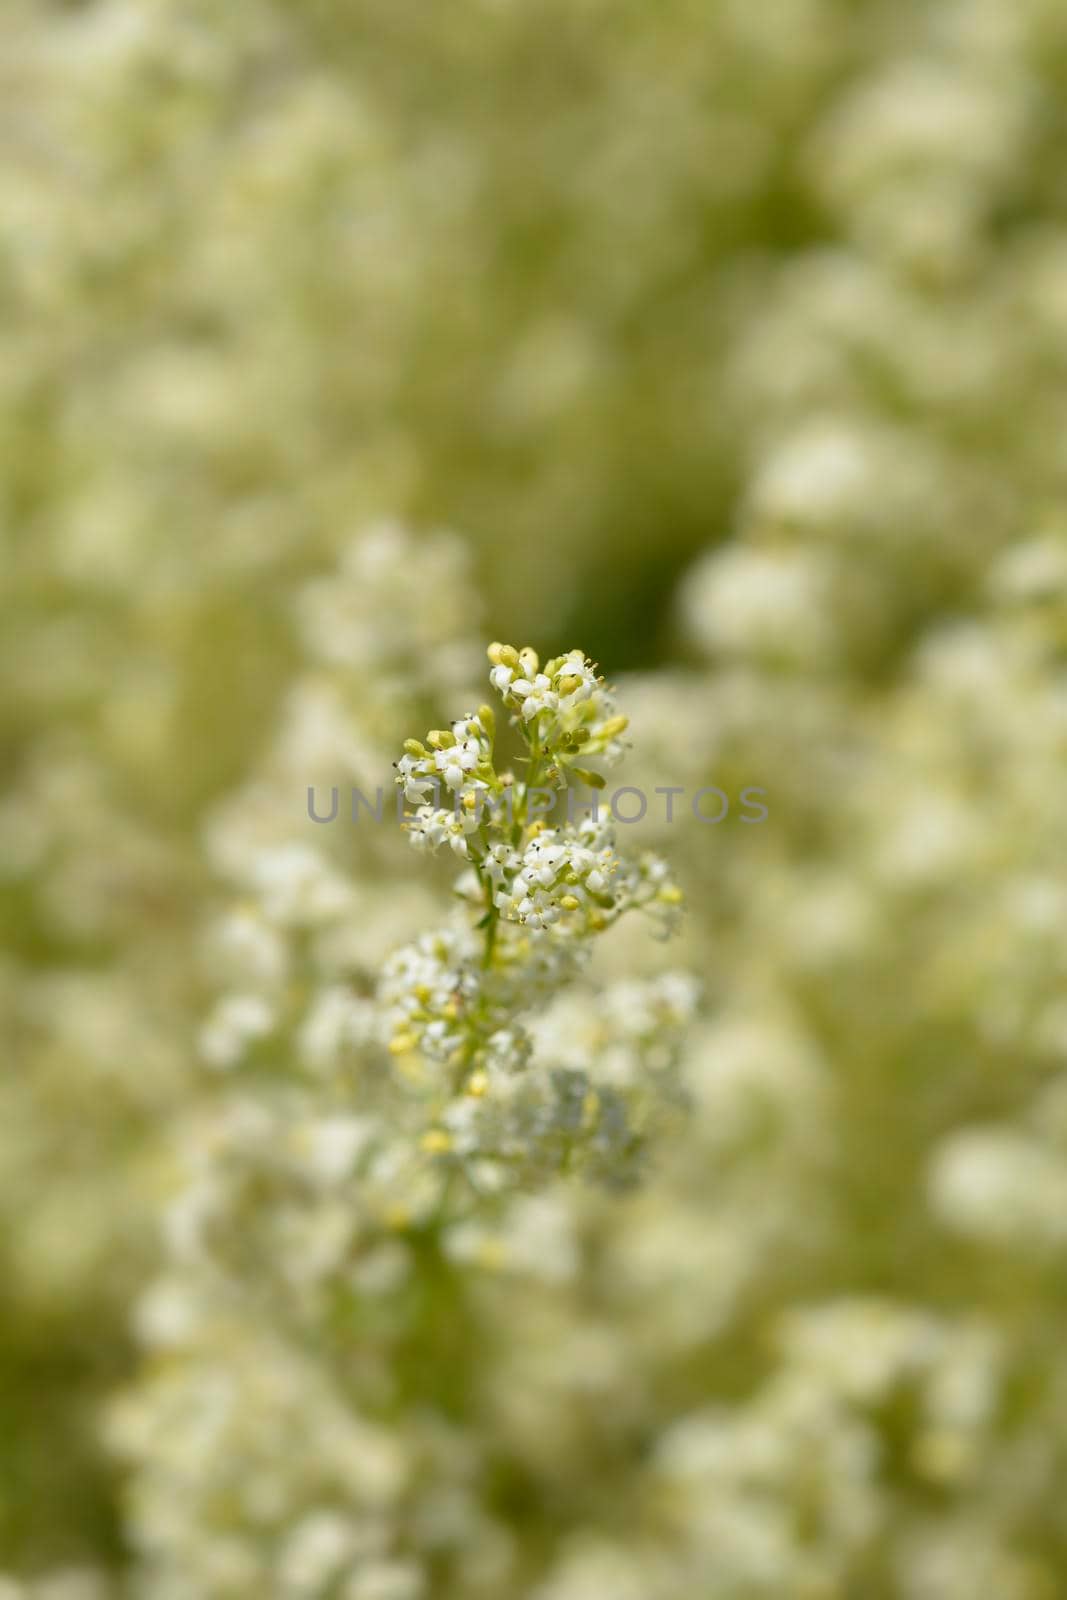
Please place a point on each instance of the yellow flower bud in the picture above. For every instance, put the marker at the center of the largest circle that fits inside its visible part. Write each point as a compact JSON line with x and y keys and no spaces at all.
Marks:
{"x":503,"y":655}
{"x":441,"y":738}
{"x":477,"y":1085}
{"x":614,"y":726}
{"x":569,"y":903}
{"x":671,"y":895}
{"x":413,"y":747}
{"x":529,"y":661}
{"x":487,"y":718}
{"x":568,"y":684}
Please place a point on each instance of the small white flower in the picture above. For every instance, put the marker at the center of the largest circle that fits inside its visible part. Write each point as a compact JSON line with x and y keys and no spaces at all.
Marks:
{"x":418,"y":785}
{"x":460,"y":826}
{"x":498,"y":862}
{"x":536,"y":696}
{"x":455,"y":763}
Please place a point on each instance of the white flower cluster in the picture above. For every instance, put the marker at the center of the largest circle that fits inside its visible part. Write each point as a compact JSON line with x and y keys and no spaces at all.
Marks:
{"x":534,"y":875}
{"x":577,"y":879}
{"x":568,"y":707}
{"x":556,"y":877}
{"x":459,"y":758}
{"x":457,"y":764}
{"x":538,"y":895}
{"x":330,"y":1215}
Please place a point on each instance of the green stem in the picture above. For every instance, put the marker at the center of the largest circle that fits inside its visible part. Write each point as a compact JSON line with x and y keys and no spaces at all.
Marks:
{"x":490,"y":932}
{"x":532,"y":774}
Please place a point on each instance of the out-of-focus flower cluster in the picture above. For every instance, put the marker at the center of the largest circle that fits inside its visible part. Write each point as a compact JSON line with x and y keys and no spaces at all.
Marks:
{"x":761,"y":305}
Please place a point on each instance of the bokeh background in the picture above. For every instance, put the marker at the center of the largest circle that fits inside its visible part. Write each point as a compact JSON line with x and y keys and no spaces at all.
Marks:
{"x":728,"y":340}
